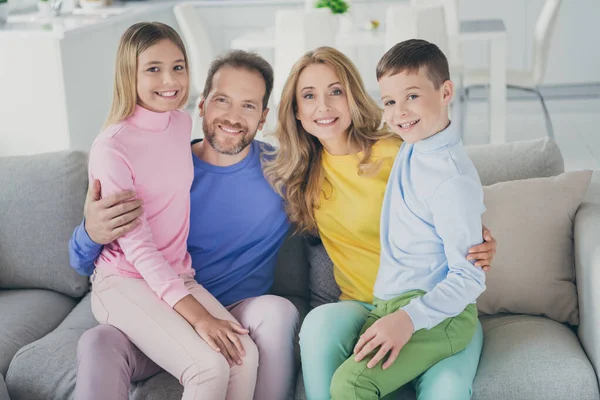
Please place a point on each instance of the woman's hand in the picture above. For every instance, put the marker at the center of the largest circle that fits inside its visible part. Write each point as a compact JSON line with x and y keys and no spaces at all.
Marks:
{"x":484,"y":253}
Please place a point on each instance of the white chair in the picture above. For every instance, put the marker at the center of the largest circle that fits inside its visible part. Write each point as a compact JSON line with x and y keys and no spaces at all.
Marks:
{"x":198,"y":46}
{"x":297,"y":32}
{"x":528,"y":80}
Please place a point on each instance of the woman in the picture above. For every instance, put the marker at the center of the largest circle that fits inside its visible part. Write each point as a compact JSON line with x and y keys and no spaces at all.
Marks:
{"x":332,"y":168}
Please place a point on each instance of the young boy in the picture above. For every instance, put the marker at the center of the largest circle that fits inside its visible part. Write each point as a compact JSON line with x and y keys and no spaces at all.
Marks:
{"x":426,"y":288}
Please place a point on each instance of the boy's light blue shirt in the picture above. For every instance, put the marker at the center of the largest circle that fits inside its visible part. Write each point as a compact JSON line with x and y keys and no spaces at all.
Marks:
{"x":431,"y":216}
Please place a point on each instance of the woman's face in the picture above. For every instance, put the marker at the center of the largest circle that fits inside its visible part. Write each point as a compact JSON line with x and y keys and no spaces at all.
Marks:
{"x":323,"y":106}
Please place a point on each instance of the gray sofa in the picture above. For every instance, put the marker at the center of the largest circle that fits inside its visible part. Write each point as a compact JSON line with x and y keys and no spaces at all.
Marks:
{"x":44,"y":305}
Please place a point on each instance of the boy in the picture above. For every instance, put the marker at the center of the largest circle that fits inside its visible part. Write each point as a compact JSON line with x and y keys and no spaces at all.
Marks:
{"x":426,"y":288}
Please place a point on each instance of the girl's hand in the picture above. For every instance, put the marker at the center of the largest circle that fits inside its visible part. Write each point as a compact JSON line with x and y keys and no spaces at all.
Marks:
{"x":390,"y":334}
{"x":222,"y":336}
{"x":484,"y":253}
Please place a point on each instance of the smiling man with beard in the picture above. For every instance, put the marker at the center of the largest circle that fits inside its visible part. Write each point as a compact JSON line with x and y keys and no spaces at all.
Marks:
{"x":237,"y":225}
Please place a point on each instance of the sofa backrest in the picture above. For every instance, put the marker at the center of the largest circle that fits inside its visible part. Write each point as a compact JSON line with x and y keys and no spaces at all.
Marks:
{"x":41,"y":202}
{"x":539,"y":158}
{"x":42,"y":196}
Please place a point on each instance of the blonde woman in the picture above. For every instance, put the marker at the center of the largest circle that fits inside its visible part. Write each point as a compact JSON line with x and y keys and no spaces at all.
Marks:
{"x":144,"y":283}
{"x":332,"y":168}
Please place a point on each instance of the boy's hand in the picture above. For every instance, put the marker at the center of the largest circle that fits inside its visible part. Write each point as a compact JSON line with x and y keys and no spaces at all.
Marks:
{"x":390,"y":333}
{"x":484,"y":253}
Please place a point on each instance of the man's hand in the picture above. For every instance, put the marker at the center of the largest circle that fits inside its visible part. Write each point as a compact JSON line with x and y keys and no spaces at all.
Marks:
{"x":390,"y":334}
{"x":484,"y":253}
{"x":108,"y":219}
{"x":222,"y":336}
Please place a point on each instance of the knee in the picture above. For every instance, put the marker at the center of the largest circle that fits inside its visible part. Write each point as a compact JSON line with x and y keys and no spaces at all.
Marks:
{"x":211,"y":367}
{"x":313,"y":326}
{"x":314,"y":321}
{"x":448,"y":384}
{"x":278,"y":315}
{"x":103,"y":339}
{"x":250,"y":360}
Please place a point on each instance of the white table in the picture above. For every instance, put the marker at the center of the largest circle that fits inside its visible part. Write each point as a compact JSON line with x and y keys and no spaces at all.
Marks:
{"x":491,"y":31}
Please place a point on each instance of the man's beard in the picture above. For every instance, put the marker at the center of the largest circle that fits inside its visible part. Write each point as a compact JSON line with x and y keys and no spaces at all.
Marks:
{"x":230,"y":146}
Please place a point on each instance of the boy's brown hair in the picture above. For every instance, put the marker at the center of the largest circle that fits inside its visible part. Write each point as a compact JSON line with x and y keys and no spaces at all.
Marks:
{"x":410,"y":56}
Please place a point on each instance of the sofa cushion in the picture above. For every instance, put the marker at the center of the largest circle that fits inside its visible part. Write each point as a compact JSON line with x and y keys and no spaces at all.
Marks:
{"x":291,"y":271}
{"x":527,"y":357}
{"x":533,"y":272}
{"x":323,"y":287}
{"x":537,"y":158}
{"x":523,"y":358}
{"x":47,"y":368}
{"x":41,"y":202}
{"x":26,"y":316}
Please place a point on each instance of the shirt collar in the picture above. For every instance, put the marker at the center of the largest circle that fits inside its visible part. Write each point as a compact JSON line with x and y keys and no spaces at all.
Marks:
{"x":444,"y":138}
{"x":150,"y":120}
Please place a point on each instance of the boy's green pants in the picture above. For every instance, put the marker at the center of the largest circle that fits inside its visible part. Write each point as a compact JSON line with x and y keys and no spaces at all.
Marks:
{"x":354,"y":381}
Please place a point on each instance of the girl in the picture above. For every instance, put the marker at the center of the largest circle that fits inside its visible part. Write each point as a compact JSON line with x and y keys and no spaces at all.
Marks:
{"x":144,"y":282}
{"x":334,"y":161}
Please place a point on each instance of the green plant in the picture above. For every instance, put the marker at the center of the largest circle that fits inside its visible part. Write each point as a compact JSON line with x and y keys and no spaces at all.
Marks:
{"x":3,"y":1}
{"x":336,"y":6}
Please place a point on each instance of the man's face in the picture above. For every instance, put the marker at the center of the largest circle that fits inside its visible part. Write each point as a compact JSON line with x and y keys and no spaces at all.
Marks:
{"x":233,"y":112}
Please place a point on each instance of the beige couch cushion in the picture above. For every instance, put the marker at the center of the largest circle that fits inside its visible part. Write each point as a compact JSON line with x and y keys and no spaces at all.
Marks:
{"x":533,"y":271}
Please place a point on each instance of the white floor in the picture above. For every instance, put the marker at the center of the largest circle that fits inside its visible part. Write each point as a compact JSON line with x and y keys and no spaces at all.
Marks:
{"x":576,"y":123}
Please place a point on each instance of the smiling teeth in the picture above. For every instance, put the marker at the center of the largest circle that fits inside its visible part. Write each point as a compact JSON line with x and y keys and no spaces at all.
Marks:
{"x":167,"y":94}
{"x":230,"y":130}
{"x":325,"y":121}
{"x":408,"y":124}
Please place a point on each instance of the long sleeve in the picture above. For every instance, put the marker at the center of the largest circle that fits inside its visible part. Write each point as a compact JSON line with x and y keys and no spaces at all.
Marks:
{"x":108,"y":163}
{"x":456,"y":207}
{"x":83,"y":251}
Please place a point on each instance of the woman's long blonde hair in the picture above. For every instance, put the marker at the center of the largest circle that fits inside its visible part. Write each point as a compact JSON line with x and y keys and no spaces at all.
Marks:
{"x":134,"y":41}
{"x":295,"y":169}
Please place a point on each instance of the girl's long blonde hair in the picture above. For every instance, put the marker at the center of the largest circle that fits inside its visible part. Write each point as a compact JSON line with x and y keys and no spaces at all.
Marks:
{"x":134,"y":41}
{"x":295,"y":169}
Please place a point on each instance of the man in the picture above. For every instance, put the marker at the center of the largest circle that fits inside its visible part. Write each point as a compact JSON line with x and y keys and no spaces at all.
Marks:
{"x":237,"y":225}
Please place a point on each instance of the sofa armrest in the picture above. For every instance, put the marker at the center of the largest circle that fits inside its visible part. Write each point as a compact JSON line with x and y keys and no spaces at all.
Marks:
{"x":587,"y":270}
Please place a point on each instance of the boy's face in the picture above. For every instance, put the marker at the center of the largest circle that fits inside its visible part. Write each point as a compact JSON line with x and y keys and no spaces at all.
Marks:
{"x":413,"y":108}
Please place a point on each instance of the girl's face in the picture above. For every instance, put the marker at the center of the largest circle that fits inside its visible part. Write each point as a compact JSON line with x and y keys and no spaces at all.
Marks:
{"x":323,"y":106}
{"x":162,"y":77}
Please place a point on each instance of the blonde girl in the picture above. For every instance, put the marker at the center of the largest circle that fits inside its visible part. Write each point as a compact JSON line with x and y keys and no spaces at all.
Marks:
{"x":144,"y":282}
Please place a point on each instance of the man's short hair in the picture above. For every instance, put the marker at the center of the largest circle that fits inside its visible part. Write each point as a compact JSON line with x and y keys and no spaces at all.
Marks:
{"x":242,"y":59}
